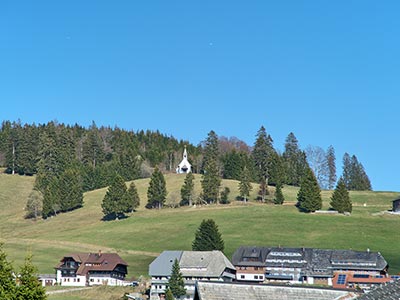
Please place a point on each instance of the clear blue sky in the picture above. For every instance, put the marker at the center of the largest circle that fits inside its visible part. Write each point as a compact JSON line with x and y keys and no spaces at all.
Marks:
{"x":326,"y":70}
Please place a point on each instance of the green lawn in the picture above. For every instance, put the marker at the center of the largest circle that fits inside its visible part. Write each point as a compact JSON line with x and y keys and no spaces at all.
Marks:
{"x":146,"y":233}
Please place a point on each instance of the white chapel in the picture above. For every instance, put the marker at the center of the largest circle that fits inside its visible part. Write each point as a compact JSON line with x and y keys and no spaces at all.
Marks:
{"x":184,"y":166}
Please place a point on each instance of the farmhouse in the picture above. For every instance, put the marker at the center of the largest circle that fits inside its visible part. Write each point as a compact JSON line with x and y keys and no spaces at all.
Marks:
{"x":184,"y":166}
{"x":81,"y":269}
{"x":194,"y":266}
{"x":337,"y":268}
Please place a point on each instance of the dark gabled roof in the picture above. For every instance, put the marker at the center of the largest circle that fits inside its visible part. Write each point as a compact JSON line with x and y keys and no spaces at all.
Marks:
{"x":250,"y":256}
{"x":94,"y":262}
{"x":389,"y":291}
{"x":313,"y":261}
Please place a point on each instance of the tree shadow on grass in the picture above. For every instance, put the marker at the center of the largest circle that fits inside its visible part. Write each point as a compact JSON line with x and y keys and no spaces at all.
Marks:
{"x":114,"y":217}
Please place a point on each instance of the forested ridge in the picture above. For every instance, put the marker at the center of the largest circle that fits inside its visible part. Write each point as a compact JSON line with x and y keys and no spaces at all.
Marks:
{"x":71,"y":159}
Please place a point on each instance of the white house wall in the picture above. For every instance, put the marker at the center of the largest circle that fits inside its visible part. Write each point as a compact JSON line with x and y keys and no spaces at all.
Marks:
{"x":249,"y":277}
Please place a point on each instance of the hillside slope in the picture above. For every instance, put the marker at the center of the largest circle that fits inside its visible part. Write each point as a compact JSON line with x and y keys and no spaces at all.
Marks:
{"x":145,"y":233}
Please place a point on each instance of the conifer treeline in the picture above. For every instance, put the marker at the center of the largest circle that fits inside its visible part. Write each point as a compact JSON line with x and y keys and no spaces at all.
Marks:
{"x":69,"y":160}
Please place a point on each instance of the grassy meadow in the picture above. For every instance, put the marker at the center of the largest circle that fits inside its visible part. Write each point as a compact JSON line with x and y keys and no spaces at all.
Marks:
{"x":145,"y":233}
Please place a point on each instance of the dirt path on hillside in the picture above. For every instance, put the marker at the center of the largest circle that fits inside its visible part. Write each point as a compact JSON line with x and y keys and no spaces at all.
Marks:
{"x":84,"y":247}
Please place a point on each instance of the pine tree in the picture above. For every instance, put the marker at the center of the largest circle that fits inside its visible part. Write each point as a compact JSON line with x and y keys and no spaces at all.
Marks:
{"x":175,"y":283}
{"x":295,"y":161}
{"x":331,"y":161}
{"x":157,"y":191}
{"x":309,"y":196}
{"x":92,"y":148}
{"x":354,"y":175}
{"x":207,"y":237}
{"x":51,"y":198}
{"x":70,"y":190}
{"x":169,"y":295}
{"x":7,"y":281}
{"x":211,"y":180}
{"x":347,"y":170}
{"x":224,"y":196}
{"x":340,"y":199}
{"x":29,"y":287}
{"x":34,"y":205}
{"x":277,"y":170}
{"x":115,"y":201}
{"x":263,"y":154}
{"x":187,"y":190}
{"x":245,"y":186}
{"x":279,"y":198}
{"x":133,"y":197}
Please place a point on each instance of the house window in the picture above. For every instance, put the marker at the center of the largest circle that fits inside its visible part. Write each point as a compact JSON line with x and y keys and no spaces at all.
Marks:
{"x":242,"y":276}
{"x":261,"y":277}
{"x":256,"y":268}
{"x":79,"y":279}
{"x":255,"y":276}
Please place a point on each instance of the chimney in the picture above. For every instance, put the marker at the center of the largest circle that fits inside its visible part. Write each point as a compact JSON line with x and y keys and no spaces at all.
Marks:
{"x":99,"y":254}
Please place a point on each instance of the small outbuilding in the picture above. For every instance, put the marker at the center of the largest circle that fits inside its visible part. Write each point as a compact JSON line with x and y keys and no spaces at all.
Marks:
{"x":396,"y":206}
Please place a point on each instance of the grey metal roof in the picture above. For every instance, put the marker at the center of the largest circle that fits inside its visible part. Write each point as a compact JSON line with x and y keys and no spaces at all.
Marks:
{"x":162,"y":265}
{"x":192,"y":263}
{"x":220,"y":291}
{"x":204,"y":263}
{"x":389,"y":291}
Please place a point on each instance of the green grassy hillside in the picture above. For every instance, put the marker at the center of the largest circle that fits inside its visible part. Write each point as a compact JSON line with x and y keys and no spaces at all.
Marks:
{"x":142,"y":236}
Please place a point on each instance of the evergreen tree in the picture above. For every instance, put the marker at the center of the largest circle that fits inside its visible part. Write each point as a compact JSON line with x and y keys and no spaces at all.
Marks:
{"x":211,"y":180}
{"x":34,"y":205}
{"x":157,"y":191}
{"x":133,"y":197}
{"x":224,"y":196}
{"x":27,"y":150}
{"x":354,"y":175}
{"x":279,"y":198}
{"x":331,"y":161}
{"x":263,"y":154}
{"x":29,"y":287}
{"x":115,"y":201}
{"x":277,"y":170}
{"x":48,"y":166}
{"x":51,"y":199}
{"x":309,"y":196}
{"x":207,"y":237}
{"x":295,"y":161}
{"x":7,"y":281}
{"x":233,"y":163}
{"x":340,"y":199}
{"x":175,"y":283}
{"x":169,"y":295}
{"x":187,"y":190}
{"x":70,"y":190}
{"x":245,"y":186}
{"x":92,"y":148}
{"x":359,"y":179}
